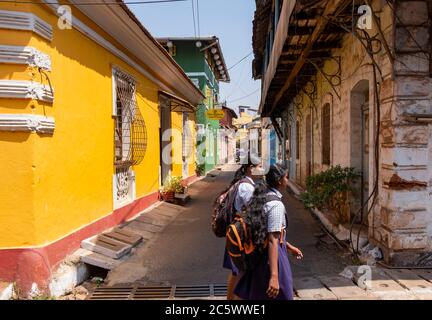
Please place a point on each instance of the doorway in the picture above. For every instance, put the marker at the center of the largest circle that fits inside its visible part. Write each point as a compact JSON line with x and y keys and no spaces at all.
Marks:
{"x":359,"y":144}
{"x":165,"y":139}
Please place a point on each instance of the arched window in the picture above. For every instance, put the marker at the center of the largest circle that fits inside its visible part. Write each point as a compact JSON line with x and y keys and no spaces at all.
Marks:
{"x":325,"y":134}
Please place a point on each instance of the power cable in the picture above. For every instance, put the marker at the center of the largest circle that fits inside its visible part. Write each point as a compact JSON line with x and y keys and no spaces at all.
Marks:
{"x":241,"y":98}
{"x":193,"y":16}
{"x":238,"y":62}
{"x":198,"y":14}
{"x":239,"y":82}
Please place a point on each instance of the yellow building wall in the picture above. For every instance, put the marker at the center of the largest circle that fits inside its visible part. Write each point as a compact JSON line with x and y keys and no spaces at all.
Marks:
{"x":53,"y":185}
{"x":16,"y":191}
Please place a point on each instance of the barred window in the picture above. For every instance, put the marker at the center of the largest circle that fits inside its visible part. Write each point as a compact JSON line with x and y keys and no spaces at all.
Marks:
{"x":130,"y":136}
{"x":325,"y":132}
{"x":187,"y":143}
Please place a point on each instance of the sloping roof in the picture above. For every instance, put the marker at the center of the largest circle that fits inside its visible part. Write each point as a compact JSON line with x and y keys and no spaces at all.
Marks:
{"x":210,"y":41}
{"x":312,"y":34}
{"x":233,"y":114}
{"x":118,"y":21}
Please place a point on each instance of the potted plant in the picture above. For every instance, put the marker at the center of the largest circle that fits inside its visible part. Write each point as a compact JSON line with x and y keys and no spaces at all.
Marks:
{"x":172,"y":186}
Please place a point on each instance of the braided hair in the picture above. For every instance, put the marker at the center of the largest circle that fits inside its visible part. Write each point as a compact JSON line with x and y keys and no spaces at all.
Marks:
{"x":256,"y":218}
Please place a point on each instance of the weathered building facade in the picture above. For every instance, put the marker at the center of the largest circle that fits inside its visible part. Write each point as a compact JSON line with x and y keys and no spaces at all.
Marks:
{"x":352,"y":86}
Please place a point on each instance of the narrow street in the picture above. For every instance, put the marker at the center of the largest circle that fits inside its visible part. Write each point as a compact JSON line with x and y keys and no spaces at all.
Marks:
{"x":187,"y":252}
{"x":183,"y":259}
{"x":122,"y":121}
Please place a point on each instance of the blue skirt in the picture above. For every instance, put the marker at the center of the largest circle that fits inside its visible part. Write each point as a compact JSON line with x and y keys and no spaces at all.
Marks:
{"x":253,"y":285}
{"x":228,"y":264}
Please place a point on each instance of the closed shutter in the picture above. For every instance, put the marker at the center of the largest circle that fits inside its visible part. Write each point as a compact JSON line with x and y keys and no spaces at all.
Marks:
{"x":326,"y":134}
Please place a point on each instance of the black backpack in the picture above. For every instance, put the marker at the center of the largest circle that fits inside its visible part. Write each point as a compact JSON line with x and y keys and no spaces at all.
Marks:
{"x":223,"y":209}
{"x":239,"y":244}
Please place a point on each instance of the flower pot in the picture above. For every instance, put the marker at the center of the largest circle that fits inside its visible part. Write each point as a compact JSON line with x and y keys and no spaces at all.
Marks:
{"x":168,"y":196}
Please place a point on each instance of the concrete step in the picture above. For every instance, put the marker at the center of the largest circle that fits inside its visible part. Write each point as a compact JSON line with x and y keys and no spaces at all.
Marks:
{"x":106,"y":246}
{"x":415,"y":284}
{"x":344,"y":288}
{"x":378,"y":283}
{"x":125,"y":236}
{"x":99,"y":260}
{"x":309,"y":288}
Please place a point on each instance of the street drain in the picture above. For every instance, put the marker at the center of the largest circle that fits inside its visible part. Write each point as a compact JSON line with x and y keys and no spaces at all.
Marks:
{"x":159,"y":292}
{"x":192,"y":291}
{"x":144,"y":293}
{"x":111,"y":293}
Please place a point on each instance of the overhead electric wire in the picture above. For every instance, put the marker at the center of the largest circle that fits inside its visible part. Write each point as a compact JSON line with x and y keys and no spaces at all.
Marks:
{"x":244,"y":97}
{"x":198,"y":16}
{"x":238,"y":84}
{"x":113,"y":3}
{"x":238,"y":62}
{"x":193,"y":17}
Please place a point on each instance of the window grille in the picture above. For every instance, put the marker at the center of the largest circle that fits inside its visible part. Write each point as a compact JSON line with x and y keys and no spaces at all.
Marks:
{"x":187,"y":142}
{"x":200,"y":128}
{"x":326,"y":134}
{"x":130,"y":137}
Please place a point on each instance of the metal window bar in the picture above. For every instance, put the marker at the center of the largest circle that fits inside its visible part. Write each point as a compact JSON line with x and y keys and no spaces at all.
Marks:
{"x":187,"y":137}
{"x":130,"y":129}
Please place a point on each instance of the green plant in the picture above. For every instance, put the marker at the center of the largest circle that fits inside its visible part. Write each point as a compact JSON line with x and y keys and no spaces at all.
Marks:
{"x":330,"y":189}
{"x":200,"y":167}
{"x":173,"y":184}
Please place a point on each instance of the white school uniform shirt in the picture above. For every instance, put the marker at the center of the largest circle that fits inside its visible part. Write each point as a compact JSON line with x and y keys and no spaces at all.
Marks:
{"x":275,"y":212}
{"x":244,"y":194}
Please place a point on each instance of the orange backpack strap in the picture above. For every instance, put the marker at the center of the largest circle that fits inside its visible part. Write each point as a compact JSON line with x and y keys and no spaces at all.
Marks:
{"x":237,"y":236}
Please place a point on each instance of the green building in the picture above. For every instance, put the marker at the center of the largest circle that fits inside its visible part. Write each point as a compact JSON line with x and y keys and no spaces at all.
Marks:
{"x":202,"y":60}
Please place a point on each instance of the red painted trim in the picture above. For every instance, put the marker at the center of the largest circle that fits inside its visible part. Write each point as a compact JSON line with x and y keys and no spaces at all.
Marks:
{"x":28,"y":265}
{"x":191,"y":179}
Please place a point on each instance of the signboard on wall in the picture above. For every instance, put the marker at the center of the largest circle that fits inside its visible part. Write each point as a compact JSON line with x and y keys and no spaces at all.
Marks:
{"x":215,"y":114}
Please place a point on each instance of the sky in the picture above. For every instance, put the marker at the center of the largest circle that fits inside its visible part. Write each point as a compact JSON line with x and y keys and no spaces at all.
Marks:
{"x":229,"y":20}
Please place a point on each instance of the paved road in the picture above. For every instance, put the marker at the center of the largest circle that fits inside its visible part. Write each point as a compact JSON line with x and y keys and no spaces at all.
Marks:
{"x":186,"y":252}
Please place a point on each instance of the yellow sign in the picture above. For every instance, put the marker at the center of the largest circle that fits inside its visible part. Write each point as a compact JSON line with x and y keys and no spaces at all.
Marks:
{"x":215,"y":114}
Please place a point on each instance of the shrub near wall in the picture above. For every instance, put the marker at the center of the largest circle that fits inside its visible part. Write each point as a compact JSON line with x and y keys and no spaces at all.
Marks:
{"x":331,"y":190}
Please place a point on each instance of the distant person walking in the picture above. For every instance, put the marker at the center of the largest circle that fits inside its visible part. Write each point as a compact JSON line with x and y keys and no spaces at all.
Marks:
{"x":271,"y":278}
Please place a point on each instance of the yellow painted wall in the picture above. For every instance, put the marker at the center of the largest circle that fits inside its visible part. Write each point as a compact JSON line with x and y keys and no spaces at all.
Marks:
{"x":17,"y":224}
{"x":52,"y":185}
